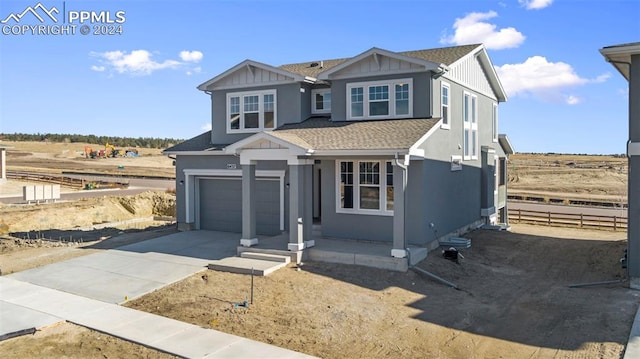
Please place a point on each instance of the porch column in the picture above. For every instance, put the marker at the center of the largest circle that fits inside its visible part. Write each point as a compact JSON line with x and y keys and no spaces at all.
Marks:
{"x":249,"y":205}
{"x":399,"y":189}
{"x":300,"y":204}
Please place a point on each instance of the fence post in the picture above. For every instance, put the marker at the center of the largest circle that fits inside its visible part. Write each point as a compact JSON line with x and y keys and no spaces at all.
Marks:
{"x":581,"y":220}
{"x":549,"y":218}
{"x":615,"y":223}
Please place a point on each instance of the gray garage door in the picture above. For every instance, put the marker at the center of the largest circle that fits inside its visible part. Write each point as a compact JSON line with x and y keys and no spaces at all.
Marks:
{"x":221,"y":205}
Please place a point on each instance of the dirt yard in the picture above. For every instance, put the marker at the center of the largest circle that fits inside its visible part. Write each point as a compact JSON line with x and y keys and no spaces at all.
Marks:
{"x":514,"y":302}
{"x":514,"y":299}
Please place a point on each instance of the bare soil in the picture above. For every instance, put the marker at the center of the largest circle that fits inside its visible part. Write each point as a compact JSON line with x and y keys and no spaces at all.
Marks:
{"x":514,"y":302}
{"x":514,"y":299}
{"x":587,"y":177}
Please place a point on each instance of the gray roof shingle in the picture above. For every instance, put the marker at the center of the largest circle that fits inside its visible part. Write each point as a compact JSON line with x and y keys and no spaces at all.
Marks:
{"x":202,"y":142}
{"x":443,"y":55}
{"x":320,"y":133}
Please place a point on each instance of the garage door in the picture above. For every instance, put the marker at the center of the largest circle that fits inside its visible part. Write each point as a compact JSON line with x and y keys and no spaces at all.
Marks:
{"x":221,"y":205}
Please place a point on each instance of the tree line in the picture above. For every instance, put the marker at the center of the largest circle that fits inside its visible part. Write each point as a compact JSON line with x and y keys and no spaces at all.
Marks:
{"x":144,"y":142}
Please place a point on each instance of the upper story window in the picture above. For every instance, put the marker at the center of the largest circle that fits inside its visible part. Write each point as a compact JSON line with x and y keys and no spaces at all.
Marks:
{"x":321,"y":100}
{"x":380,"y":99}
{"x":494,"y":122}
{"x":444,"y":94}
{"x":251,"y":111}
{"x":470,"y":121}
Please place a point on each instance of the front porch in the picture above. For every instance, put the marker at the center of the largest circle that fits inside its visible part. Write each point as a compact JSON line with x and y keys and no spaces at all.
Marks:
{"x":345,"y":251}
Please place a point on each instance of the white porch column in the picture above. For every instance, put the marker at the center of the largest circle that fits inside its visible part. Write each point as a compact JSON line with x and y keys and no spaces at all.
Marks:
{"x":249,"y":205}
{"x":300,"y":204}
{"x":399,"y":189}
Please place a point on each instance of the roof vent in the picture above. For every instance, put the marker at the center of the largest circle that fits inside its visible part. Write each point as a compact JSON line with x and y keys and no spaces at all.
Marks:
{"x":314,"y":64}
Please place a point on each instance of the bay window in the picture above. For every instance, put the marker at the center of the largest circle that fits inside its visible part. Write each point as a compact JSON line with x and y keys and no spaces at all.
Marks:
{"x":251,"y":111}
{"x":380,"y":99}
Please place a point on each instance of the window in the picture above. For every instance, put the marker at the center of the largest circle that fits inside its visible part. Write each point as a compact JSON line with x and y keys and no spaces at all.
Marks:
{"x":365,"y":187}
{"x":357,"y":101}
{"x":321,"y":101}
{"x":470,"y":128}
{"x":445,"y":105}
{"x":251,"y":112}
{"x":494,"y":122}
{"x":380,"y":99}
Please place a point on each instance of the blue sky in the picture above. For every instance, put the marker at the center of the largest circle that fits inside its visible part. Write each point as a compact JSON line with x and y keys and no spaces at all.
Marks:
{"x":563,"y":96}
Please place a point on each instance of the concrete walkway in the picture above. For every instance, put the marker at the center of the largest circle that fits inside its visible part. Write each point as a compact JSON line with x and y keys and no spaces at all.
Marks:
{"x":85,"y":291}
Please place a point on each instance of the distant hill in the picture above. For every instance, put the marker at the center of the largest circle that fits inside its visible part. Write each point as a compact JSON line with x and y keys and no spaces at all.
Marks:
{"x":144,"y":142}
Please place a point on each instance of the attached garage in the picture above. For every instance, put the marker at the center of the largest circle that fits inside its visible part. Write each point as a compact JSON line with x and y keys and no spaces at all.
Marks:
{"x":219,"y":204}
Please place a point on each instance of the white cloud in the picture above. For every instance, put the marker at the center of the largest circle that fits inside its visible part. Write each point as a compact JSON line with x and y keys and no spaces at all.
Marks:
{"x":98,"y":68}
{"x":473,"y":29}
{"x":206,"y":127}
{"x":573,"y":100}
{"x":137,"y":62}
{"x":535,"y":4}
{"x":543,"y":79}
{"x":195,"y":70}
{"x":191,"y":56}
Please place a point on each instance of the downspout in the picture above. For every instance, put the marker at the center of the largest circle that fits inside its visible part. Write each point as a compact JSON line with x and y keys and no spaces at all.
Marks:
{"x":404,"y":168}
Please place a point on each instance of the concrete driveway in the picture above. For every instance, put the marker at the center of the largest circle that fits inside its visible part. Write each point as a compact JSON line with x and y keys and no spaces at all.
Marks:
{"x":136,"y":269}
{"x":86,"y":291}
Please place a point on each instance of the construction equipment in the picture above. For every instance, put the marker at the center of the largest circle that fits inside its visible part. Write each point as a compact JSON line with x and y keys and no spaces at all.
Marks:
{"x":89,"y":152}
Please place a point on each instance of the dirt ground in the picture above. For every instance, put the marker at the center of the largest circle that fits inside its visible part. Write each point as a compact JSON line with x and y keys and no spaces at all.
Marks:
{"x":514,"y":302}
{"x":588,"y":177}
{"x":58,"y":157}
{"x":514,"y":299}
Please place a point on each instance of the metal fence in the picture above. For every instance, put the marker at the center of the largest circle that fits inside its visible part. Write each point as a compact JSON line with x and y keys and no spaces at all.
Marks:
{"x":581,"y":220}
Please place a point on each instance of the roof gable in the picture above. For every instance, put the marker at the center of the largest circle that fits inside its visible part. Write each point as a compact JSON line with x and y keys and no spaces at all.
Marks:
{"x":475,"y":71}
{"x":251,"y":73}
{"x":377,"y":62}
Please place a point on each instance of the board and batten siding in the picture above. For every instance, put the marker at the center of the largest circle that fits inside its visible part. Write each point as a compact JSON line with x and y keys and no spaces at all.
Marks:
{"x":377,"y":65}
{"x":469,"y":73}
{"x":251,"y":76}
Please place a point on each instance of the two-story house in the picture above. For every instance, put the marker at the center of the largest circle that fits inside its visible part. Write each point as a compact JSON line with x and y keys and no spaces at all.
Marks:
{"x":401,"y":147}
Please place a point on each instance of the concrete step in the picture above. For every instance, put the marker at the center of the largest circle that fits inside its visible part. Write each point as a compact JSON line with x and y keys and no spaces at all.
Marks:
{"x":245,"y":265}
{"x":266,"y":257}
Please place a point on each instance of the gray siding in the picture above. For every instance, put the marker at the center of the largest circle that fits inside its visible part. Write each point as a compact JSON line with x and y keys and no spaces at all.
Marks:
{"x":421,"y":94}
{"x":373,"y":227}
{"x":289,"y":110}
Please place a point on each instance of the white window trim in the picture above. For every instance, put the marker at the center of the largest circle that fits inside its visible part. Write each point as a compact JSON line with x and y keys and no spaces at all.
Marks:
{"x":392,"y":99}
{"x":494,"y":122}
{"x":447,"y":125}
{"x":471,"y":125}
{"x":314,"y":92}
{"x":356,"y":189}
{"x":260,"y":95}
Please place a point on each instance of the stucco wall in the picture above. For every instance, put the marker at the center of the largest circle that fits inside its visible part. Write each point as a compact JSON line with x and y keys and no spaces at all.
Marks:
{"x":421,"y":94}
{"x":288,"y":110}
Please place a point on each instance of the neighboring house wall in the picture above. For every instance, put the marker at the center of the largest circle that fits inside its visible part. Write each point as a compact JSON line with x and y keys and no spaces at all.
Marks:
{"x":421,"y":93}
{"x":289,"y":107}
